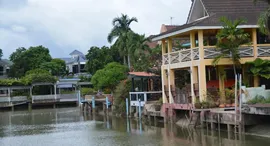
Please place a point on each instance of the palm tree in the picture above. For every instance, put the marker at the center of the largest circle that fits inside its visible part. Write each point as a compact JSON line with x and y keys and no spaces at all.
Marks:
{"x":264,"y":21}
{"x":121,"y":27}
{"x":229,"y":39}
{"x":137,"y":47}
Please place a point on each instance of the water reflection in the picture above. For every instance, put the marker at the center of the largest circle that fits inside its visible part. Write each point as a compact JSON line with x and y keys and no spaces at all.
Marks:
{"x":71,"y":127}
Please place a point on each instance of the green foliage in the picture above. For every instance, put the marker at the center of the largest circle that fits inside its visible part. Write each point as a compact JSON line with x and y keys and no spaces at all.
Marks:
{"x":88,"y":91}
{"x":1,"y":53}
{"x":19,"y":93}
{"x":259,"y":99}
{"x":25,"y":60}
{"x":84,"y":78}
{"x":67,"y":91}
{"x":57,"y":67}
{"x":109,"y":76}
{"x":97,"y":58}
{"x":13,"y":82}
{"x":259,"y":67}
{"x":121,"y":92}
{"x":37,"y":71}
{"x":38,"y":76}
{"x":229,"y":39}
{"x":120,"y":30}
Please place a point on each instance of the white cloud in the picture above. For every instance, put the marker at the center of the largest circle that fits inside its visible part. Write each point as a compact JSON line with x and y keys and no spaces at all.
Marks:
{"x":79,"y":24}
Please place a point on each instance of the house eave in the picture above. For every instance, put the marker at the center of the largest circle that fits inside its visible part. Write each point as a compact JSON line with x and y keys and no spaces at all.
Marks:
{"x":158,"y":38}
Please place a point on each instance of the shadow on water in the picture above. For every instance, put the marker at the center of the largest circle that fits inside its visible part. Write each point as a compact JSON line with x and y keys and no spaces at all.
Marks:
{"x":81,"y":129}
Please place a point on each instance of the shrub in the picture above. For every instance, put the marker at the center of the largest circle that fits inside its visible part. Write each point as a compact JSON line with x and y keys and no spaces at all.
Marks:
{"x":259,"y":99}
{"x":120,"y":94}
{"x":88,"y":91}
{"x":13,"y":82}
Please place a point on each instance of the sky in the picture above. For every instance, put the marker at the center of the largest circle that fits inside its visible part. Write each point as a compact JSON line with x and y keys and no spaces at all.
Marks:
{"x":66,"y":25}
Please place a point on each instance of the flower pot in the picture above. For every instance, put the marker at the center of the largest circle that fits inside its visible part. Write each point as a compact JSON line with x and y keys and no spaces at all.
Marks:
{"x":221,"y":105}
{"x":228,"y":105}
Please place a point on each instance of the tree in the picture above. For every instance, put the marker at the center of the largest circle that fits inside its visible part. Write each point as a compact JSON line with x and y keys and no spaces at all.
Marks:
{"x":109,"y":76}
{"x":121,"y":27}
{"x":16,"y":54}
{"x":229,"y":39}
{"x":97,"y":58}
{"x":57,"y":67}
{"x":25,"y":60}
{"x":1,"y":53}
{"x":264,"y":21}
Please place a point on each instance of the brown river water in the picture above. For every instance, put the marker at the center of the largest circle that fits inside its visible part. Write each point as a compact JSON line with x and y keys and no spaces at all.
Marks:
{"x":69,"y":127}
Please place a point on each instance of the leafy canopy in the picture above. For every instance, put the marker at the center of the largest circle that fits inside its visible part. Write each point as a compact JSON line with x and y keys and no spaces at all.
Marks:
{"x":109,"y":76}
{"x":97,"y":58}
{"x":57,"y":67}
{"x":25,"y":60}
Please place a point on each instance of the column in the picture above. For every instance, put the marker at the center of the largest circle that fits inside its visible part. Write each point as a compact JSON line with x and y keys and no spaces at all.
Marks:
{"x":254,"y":42}
{"x":202,"y":74}
{"x":55,"y":96}
{"x":164,"y":83}
{"x":172,"y":85}
{"x":169,"y":70}
{"x":193,"y":80}
{"x":163,"y":45}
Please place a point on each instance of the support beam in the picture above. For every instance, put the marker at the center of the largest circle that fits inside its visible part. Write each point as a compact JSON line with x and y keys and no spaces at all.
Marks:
{"x":192,"y":39}
{"x":193,"y":80}
{"x":256,"y":81}
{"x":164,"y":83}
{"x":171,"y":84}
{"x":55,"y":96}
{"x":254,"y":42}
{"x":163,"y":45}
{"x":202,"y":72}
{"x":169,"y":45}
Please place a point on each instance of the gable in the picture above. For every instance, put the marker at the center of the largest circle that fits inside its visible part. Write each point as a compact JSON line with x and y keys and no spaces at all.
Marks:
{"x":197,"y":11}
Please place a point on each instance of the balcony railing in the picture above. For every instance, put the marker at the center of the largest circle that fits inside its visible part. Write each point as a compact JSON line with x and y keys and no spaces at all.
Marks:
{"x":184,"y":55}
{"x":210,"y":52}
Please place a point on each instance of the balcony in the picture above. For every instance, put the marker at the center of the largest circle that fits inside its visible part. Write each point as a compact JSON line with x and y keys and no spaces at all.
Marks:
{"x":210,"y":52}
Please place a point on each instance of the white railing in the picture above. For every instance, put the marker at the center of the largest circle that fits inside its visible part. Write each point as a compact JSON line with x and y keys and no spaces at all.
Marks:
{"x":263,"y":51}
{"x":18,"y":98}
{"x":5,"y":99}
{"x":43,"y":97}
{"x":135,"y":96}
{"x":184,"y":55}
{"x":212,"y":52}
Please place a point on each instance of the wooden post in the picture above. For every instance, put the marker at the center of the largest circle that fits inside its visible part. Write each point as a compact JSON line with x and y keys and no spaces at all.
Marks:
{"x":254,"y":42}
{"x":55,"y":95}
{"x":164,"y":82}
{"x":221,"y":83}
{"x":127,"y":107}
{"x":9,"y":95}
{"x":256,"y":81}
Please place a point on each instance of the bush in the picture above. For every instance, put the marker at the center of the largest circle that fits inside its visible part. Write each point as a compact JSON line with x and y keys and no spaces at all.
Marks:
{"x":38,"y":78}
{"x":120,"y":94}
{"x":13,"y":82}
{"x":259,"y":99}
{"x":109,"y":76}
{"x":88,"y":91}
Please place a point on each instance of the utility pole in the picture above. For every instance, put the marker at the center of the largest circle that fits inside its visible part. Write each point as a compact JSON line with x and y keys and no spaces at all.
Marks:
{"x":171,"y":19}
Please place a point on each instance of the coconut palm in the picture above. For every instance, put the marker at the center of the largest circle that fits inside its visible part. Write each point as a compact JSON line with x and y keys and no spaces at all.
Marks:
{"x":229,"y":39}
{"x":264,"y":21}
{"x":138,"y":49}
{"x":121,"y":27}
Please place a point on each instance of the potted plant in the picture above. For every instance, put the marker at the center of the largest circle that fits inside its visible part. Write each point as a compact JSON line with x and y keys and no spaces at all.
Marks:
{"x":197,"y":104}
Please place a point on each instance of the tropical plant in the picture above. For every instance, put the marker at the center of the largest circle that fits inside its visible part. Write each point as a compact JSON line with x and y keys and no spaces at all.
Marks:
{"x":109,"y":76}
{"x":259,"y":67}
{"x":264,"y":21}
{"x":120,"y":30}
{"x":56,"y":67}
{"x":121,"y":92}
{"x":229,"y":39}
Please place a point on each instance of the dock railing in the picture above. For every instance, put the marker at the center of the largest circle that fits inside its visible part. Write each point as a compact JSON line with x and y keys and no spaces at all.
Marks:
{"x":143,"y":97}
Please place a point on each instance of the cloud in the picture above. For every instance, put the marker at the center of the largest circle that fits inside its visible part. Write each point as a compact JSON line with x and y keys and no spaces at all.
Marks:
{"x":65,"y":25}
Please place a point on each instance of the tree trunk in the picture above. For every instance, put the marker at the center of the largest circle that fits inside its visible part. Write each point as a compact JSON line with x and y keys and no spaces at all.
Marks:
{"x":129,"y":62}
{"x":234,"y":69}
{"x":125,"y":62}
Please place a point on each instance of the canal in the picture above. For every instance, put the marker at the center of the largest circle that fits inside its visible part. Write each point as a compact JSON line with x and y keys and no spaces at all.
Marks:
{"x":69,"y":127}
